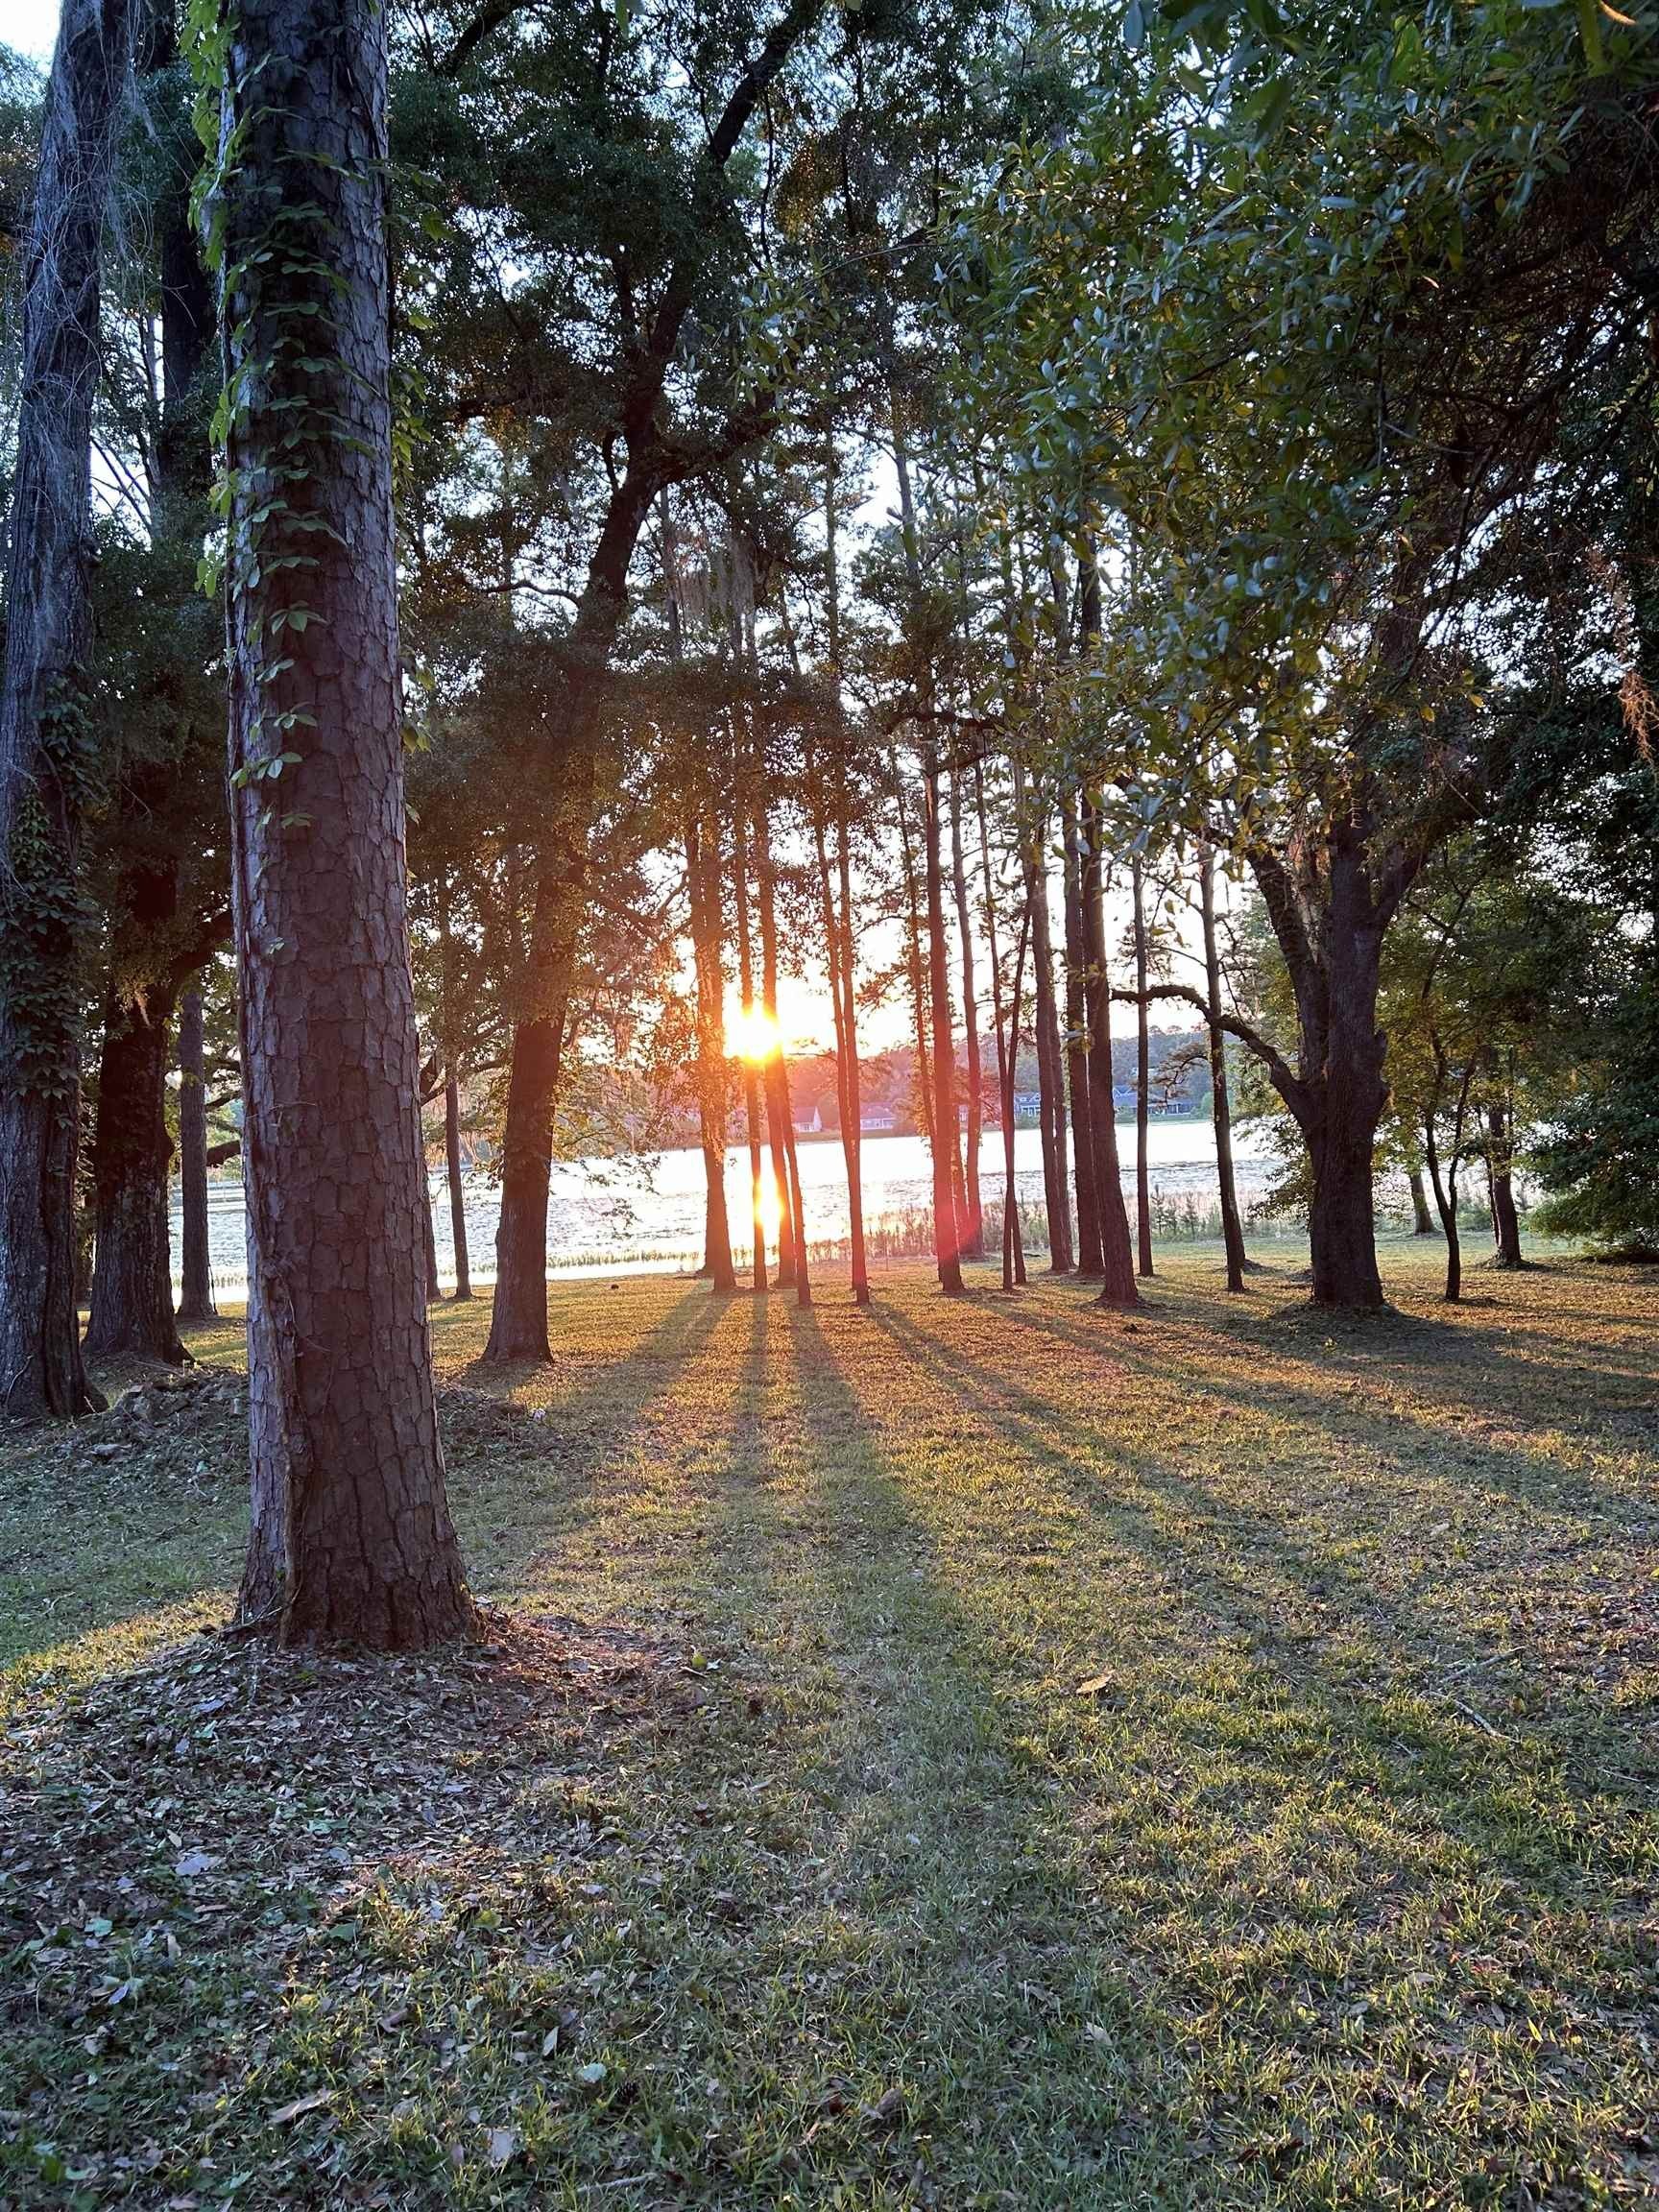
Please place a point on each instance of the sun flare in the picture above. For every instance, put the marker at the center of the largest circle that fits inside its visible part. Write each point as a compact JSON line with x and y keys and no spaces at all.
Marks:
{"x":754,"y":1035}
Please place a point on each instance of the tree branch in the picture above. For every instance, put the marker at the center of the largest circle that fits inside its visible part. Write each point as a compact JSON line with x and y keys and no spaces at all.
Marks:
{"x":488,"y":20}
{"x":1285,"y":1081}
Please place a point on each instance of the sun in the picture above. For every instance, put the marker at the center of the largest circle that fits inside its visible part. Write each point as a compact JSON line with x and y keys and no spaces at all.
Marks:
{"x":754,"y":1035}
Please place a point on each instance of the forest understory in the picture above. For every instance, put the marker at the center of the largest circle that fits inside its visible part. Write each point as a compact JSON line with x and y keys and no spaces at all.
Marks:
{"x":953,"y":1753}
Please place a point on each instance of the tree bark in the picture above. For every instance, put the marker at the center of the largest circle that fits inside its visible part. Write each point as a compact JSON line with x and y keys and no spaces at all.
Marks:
{"x":1339,"y":1221}
{"x":518,"y":1314}
{"x":1143,"y":1080}
{"x":1334,"y":952}
{"x":351,"y":1539}
{"x":1220,"y":1100}
{"x":457,"y":1187}
{"x":45,"y":740}
{"x":1116,"y":1254}
{"x":1089,"y":1259}
{"x":196,"y":1305}
{"x":946,"y":1231}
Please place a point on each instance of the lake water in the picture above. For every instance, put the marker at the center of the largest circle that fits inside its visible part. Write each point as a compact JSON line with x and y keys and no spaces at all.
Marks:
{"x":624,"y":1214}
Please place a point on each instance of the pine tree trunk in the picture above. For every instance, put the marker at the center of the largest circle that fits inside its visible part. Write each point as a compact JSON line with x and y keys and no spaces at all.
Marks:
{"x":1116,"y":1253}
{"x":457,"y":1189}
{"x":703,"y":870}
{"x":44,"y":737}
{"x":450,"y":1043}
{"x":434,"y":1288}
{"x":915,"y":966}
{"x":843,"y":1003}
{"x":195,"y":1267}
{"x":1007,"y":1047}
{"x":797,"y":1199}
{"x":351,"y":1539}
{"x":947,"y":1233}
{"x":131,"y":1309}
{"x":1007,"y":1068}
{"x":1088,"y":1259}
{"x":939,"y":1087}
{"x":852,"y":1135}
{"x":779,"y":1136}
{"x":750,"y":1074}
{"x":974,"y":1227}
{"x":1050,"y":1063}
{"x":1142,"y":1081}
{"x":1220,"y":1102}
{"x":518,"y":1314}
{"x":839,"y":928}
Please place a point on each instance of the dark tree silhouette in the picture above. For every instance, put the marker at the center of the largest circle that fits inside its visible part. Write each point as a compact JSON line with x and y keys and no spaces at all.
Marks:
{"x":45,"y":739}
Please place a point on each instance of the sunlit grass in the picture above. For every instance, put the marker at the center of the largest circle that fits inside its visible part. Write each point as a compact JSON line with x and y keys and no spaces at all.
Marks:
{"x":790,"y":1863}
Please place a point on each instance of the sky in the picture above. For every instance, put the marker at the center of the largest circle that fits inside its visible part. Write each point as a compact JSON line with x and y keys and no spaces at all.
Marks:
{"x":30,"y":26}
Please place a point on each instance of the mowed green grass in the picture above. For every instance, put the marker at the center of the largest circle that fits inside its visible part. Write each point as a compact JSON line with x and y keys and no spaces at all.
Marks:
{"x":989,"y":1753}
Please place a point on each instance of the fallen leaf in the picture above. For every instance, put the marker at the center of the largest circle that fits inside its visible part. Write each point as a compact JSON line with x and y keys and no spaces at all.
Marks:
{"x":299,"y":2107}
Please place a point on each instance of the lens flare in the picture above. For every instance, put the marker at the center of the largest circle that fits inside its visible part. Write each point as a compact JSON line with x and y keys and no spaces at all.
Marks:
{"x":754,"y":1035}
{"x":768,"y":1211}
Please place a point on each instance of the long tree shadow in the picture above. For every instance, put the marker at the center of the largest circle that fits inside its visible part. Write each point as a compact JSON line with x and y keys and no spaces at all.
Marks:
{"x":965,"y":1959}
{"x":1297,"y":1607}
{"x":521,"y":1475}
{"x":1318,"y":1392}
{"x":1102,"y":1818}
{"x":545,"y":1494}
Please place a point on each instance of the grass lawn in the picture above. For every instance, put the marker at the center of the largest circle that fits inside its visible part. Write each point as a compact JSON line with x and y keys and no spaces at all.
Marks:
{"x":978,"y":1754}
